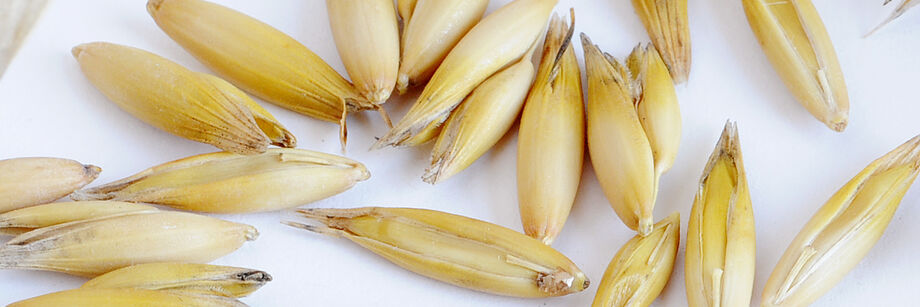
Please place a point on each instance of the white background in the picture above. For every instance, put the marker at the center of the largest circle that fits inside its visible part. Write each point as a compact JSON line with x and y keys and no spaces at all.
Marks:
{"x":793,"y":162}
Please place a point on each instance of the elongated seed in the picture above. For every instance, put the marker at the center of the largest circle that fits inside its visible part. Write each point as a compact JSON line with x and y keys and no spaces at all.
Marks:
{"x":96,"y":246}
{"x":32,"y":181}
{"x":843,"y":231}
{"x":204,"y":279}
{"x":458,"y":250}
{"x":223,"y":182}
{"x":551,"y":138}
{"x":719,"y":263}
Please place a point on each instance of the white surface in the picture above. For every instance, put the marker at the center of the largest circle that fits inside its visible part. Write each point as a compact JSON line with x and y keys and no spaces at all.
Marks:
{"x":794,"y":163}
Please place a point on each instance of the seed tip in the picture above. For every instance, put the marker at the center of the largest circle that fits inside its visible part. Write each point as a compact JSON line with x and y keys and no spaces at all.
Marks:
{"x":255,"y":276}
{"x":77,"y":50}
{"x":153,"y":6}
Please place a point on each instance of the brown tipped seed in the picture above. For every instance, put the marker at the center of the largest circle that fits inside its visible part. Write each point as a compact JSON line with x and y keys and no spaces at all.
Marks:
{"x":366,"y":34}
{"x":667,"y":25}
{"x":641,"y":268}
{"x":430,"y":29}
{"x":633,"y":122}
{"x":192,"y":105}
{"x":843,"y":231}
{"x":719,"y":267}
{"x":31,"y":181}
{"x":499,"y":39}
{"x":481,"y":120}
{"x":795,"y":41}
{"x":126,"y":297}
{"x":551,"y":138}
{"x":96,"y":246}
{"x":223,"y":182}
{"x":192,"y":278}
{"x":23,"y":220}
{"x":259,"y":59}
{"x":454,"y":249}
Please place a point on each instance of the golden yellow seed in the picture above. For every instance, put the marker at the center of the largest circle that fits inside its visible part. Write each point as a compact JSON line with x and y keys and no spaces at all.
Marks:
{"x":431,"y":28}
{"x":795,"y":41}
{"x":454,"y":249}
{"x":641,"y":268}
{"x":551,"y":138}
{"x":31,"y":181}
{"x":223,"y":182}
{"x":192,"y":105}
{"x":719,"y":263}
{"x":366,"y":34}
{"x":843,"y":231}
{"x":481,"y":120}
{"x":633,"y":125}
{"x":23,"y":220}
{"x":96,"y":246}
{"x":193,"y":278}
{"x":667,"y":25}
{"x":259,"y":59}
{"x":499,"y":39}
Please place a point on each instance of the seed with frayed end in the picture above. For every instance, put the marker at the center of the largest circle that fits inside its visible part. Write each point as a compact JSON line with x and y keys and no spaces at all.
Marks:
{"x":641,"y":268}
{"x":224,"y":182}
{"x":633,"y":128}
{"x":366,"y":34}
{"x":903,"y":7}
{"x":31,"y":181}
{"x":481,"y":120}
{"x":795,"y":41}
{"x":454,"y":249}
{"x":96,"y":246}
{"x":719,"y":267}
{"x":259,"y":59}
{"x":204,"y":279}
{"x":843,"y":231}
{"x":126,"y":297}
{"x":551,"y":138}
{"x":431,"y":29}
{"x":667,"y":25}
{"x":499,"y":39}
{"x":23,"y":220}
{"x":192,"y":105}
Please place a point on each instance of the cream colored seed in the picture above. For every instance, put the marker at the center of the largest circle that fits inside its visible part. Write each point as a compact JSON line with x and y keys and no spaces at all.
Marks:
{"x":223,"y":182}
{"x":481,"y":120}
{"x":667,"y":25}
{"x":126,"y":297}
{"x":458,"y":250}
{"x":843,"y":231}
{"x":192,"y":105}
{"x":633,"y":125}
{"x":641,"y":268}
{"x":366,"y":34}
{"x":719,"y":267}
{"x":795,"y":41}
{"x":23,"y":220}
{"x":499,"y":39}
{"x":31,"y":181}
{"x":259,"y":59}
{"x":96,"y":246}
{"x":431,"y":28}
{"x":192,"y":278}
{"x":551,"y":138}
